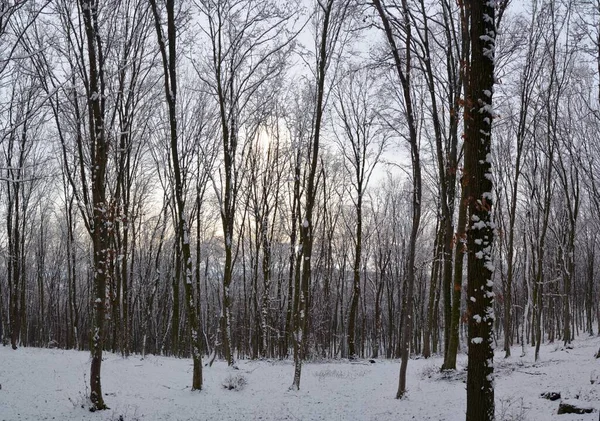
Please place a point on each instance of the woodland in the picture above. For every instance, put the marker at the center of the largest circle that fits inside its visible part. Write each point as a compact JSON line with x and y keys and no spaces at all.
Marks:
{"x":314,"y":180}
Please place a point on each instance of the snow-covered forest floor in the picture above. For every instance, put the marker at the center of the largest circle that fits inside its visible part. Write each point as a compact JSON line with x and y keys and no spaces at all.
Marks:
{"x":44,"y":384}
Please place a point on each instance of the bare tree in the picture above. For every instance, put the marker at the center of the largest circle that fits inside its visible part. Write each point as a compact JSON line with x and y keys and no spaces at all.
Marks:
{"x":133,"y":26}
{"x":518,"y":127}
{"x":478,"y":191}
{"x":18,"y":176}
{"x":99,"y":224}
{"x":361,"y":142}
{"x":330,"y":17}
{"x":167,"y":43}
{"x":401,"y":55}
{"x":248,"y":43}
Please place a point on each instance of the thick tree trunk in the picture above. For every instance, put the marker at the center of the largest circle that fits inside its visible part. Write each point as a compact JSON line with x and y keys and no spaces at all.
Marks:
{"x":124,"y":271}
{"x":72,"y":276}
{"x":478,"y":194}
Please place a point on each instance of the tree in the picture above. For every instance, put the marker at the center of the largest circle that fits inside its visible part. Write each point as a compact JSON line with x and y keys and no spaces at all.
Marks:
{"x":15,"y":20}
{"x":18,"y":176}
{"x":519,"y":128}
{"x":298,"y":124}
{"x":402,"y":66}
{"x":361,"y":143}
{"x":132,"y":28}
{"x":543,"y":166}
{"x":331,"y":16}
{"x":249,"y":43}
{"x":265,"y":176}
{"x":444,"y":79}
{"x":478,"y":191}
{"x":168,"y":51}
{"x":99,"y":225}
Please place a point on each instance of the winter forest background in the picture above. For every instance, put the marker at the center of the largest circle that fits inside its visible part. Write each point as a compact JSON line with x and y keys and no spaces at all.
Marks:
{"x":275,"y":179}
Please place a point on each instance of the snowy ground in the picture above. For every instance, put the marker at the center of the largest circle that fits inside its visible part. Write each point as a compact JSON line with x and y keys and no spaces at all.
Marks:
{"x":41,"y":384}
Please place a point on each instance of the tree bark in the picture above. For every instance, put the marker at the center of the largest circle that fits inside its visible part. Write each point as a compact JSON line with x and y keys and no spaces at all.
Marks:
{"x":478,"y":188}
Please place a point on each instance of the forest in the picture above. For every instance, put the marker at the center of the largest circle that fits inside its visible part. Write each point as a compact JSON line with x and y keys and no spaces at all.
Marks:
{"x":306,"y":180}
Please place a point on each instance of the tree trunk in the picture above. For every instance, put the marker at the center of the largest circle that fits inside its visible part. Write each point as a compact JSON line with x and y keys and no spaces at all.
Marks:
{"x":461,"y":248}
{"x":404,"y":79}
{"x":429,"y":322}
{"x":99,"y":228}
{"x":478,"y":194}
{"x":176,"y":311}
{"x":589,"y":296}
{"x":331,"y":25}
{"x":183,"y":233}
{"x":355,"y":278}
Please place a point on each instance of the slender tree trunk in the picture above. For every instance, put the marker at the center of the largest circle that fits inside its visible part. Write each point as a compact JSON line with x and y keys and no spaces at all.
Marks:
{"x":461,"y":76}
{"x":429,"y":322}
{"x":291,"y":294}
{"x":461,"y":248}
{"x":589,"y":295}
{"x":266,"y":271}
{"x":167,"y":46}
{"x":176,"y":311}
{"x":355,"y":279}
{"x":329,"y":31}
{"x":99,"y":228}
{"x":402,"y":68}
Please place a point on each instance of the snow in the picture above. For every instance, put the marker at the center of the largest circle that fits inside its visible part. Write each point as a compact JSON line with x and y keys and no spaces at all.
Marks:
{"x":489,"y":266}
{"x":479,"y":225}
{"x":488,"y":38}
{"x":487,"y":108}
{"x":44,"y":384}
